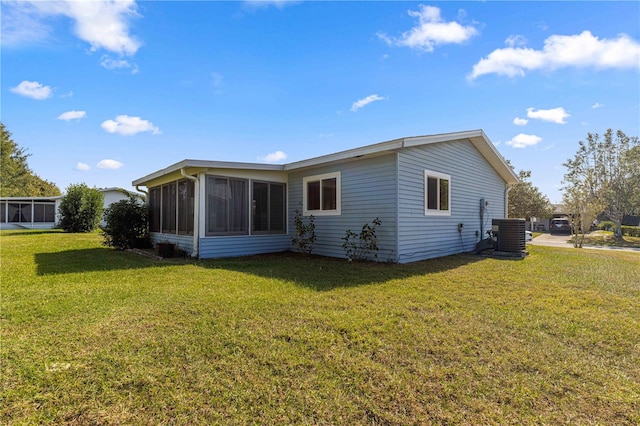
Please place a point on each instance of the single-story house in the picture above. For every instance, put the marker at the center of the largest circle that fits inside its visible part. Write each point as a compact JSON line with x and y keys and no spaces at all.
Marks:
{"x":42,"y":212}
{"x":434,"y":195}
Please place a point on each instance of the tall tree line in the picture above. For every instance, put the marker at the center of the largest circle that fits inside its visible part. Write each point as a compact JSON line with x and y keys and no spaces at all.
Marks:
{"x":16,"y":178}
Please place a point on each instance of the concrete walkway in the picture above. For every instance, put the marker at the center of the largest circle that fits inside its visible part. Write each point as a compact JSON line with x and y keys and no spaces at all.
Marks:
{"x":563,"y":240}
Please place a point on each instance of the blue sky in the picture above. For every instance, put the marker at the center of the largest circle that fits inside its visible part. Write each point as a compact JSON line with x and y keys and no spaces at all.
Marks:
{"x":107,"y":92}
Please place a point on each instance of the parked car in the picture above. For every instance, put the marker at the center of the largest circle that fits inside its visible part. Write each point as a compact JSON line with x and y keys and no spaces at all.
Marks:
{"x":528,"y":236}
{"x":560,"y":226}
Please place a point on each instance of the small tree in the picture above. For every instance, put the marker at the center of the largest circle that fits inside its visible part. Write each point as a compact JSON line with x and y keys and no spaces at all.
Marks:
{"x":607,"y":170}
{"x":127,"y":224}
{"x":305,"y":233}
{"x":361,"y":246}
{"x":81,"y":208}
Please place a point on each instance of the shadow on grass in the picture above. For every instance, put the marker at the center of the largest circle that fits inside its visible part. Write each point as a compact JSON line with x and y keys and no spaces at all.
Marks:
{"x":91,"y":260}
{"x":316,"y":272}
{"x":12,"y":232}
{"x":324,"y":273}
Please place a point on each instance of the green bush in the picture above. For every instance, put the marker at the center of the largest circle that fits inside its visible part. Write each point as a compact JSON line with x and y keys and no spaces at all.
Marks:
{"x":361,"y":246}
{"x":305,"y":233}
{"x":127,"y":224}
{"x":81,"y":208}
{"x":632,"y":231}
{"x":606,"y":225}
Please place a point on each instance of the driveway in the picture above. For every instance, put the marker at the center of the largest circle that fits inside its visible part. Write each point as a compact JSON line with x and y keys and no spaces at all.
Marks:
{"x":563,"y":240}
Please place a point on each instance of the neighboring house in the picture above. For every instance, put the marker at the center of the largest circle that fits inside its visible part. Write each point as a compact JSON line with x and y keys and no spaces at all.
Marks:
{"x":42,"y":212}
{"x":421,"y":189}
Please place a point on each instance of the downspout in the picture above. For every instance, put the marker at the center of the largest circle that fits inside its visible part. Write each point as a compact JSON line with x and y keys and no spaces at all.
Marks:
{"x":142,"y":190}
{"x":507,"y":188}
{"x":196,"y":211}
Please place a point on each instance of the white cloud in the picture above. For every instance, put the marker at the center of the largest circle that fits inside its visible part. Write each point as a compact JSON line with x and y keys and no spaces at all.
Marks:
{"x":273,"y":157}
{"x":72,"y":115}
{"x":33,"y":90}
{"x":126,"y":125}
{"x":82,"y":167}
{"x":366,"y":101}
{"x":109,"y":164}
{"x":597,"y":105}
{"x":561,"y":51}
{"x":266,"y":3}
{"x":113,"y":64}
{"x":515,"y":40}
{"x":21,"y":24}
{"x":104,"y":24}
{"x":523,"y":140}
{"x":555,"y":115}
{"x":431,"y":31}
{"x":520,"y":121}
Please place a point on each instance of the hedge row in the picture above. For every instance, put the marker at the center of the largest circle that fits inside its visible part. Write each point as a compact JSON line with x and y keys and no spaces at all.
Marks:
{"x":632,"y":231}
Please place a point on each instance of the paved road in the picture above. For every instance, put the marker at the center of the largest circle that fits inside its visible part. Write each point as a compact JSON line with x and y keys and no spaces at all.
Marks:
{"x":562,"y":240}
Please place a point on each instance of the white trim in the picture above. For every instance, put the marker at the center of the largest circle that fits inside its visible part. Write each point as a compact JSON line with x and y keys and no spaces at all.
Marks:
{"x":338,"y":210}
{"x":439,"y":176}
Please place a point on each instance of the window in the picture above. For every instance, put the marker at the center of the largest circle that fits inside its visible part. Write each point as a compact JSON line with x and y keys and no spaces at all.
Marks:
{"x":3,"y":212}
{"x":437,"y":194}
{"x":186,"y":190}
{"x":154,"y":209}
{"x":43,"y":212}
{"x":168,"y":221}
{"x":227,"y":206}
{"x":171,"y":208}
{"x":20,"y":212}
{"x":321,"y":194}
{"x":268,"y":208}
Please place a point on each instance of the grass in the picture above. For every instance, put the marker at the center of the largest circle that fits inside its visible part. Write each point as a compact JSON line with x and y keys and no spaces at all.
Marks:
{"x":94,"y":336}
{"x":606,"y":239}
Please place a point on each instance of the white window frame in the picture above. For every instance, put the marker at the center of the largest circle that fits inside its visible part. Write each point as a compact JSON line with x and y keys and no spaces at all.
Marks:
{"x":439,"y":176}
{"x":338,"y":210}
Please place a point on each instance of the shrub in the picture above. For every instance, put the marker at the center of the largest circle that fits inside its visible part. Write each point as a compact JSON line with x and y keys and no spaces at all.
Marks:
{"x":305,"y":233}
{"x":606,"y":225}
{"x":362,"y":246}
{"x":81,"y":208}
{"x":127,"y":224}
{"x":632,"y":231}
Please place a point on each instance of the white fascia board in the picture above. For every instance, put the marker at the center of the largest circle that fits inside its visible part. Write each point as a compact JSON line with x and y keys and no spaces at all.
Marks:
{"x":351,"y":154}
{"x":488,"y":150}
{"x":205,"y":164}
{"x":443,"y":137}
{"x":480,"y":141}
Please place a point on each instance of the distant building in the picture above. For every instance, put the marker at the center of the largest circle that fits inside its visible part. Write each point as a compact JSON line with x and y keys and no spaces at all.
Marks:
{"x":42,"y":212}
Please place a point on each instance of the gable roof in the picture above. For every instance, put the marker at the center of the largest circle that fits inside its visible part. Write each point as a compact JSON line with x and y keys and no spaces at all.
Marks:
{"x":477,"y":137}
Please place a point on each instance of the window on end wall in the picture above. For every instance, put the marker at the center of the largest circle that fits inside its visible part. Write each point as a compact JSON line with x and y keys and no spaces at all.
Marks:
{"x":437,"y":194}
{"x":321,"y":194}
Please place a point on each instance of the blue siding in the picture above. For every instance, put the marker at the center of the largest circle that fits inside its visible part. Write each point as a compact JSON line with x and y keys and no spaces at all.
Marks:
{"x":472,"y":178}
{"x":242,"y":245}
{"x":369,"y":190}
{"x":183,"y":242}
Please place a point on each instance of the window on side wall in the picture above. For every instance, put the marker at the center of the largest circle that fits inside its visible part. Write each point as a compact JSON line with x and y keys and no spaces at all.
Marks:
{"x":227,"y":206}
{"x":321,"y":194}
{"x":437,"y":194}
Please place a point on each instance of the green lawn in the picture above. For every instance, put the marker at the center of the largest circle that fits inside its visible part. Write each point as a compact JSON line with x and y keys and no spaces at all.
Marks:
{"x":605,"y":238}
{"x":94,"y":336}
